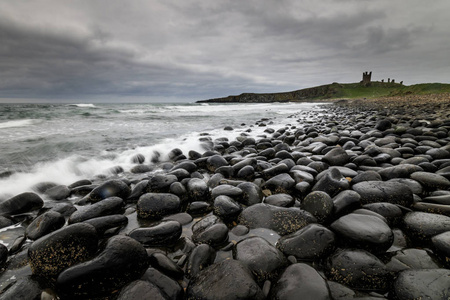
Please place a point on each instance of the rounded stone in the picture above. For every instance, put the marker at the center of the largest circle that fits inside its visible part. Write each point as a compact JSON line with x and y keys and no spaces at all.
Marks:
{"x":358,"y":269}
{"x":319,"y":204}
{"x":283,"y":200}
{"x":165,"y":233}
{"x":108,"y":206}
{"x":421,"y":226}
{"x":301,"y":281}
{"x":312,"y":242}
{"x":122,"y":261}
{"x":157,"y":205}
{"x":226,"y":208}
{"x":422,"y":284}
{"x":102,"y":224}
{"x":63,"y":248}
{"x":332,"y":183}
{"x":263,"y":259}
{"x":140,"y":289}
{"x":363,"y":231}
{"x":110,"y":188}
{"x":210,"y":230}
{"x":226,"y":280}
{"x":380,"y":191}
{"x":22,"y":203}
{"x":44,"y":224}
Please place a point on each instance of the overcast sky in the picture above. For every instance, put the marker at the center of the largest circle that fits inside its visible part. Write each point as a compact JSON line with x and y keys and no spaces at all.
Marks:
{"x":190,"y":50}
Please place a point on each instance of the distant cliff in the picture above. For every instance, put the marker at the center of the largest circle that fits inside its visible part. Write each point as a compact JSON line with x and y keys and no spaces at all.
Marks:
{"x":324,"y":91}
{"x":336,"y":91}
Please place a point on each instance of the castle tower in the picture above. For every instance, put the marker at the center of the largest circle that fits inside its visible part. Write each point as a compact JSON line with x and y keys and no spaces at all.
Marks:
{"x":367,"y":76}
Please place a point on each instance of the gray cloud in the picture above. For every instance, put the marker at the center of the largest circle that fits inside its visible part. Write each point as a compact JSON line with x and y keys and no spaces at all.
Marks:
{"x":192,"y":49}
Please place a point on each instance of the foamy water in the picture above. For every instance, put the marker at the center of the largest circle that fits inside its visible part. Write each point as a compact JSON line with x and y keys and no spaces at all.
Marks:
{"x":62,"y":144}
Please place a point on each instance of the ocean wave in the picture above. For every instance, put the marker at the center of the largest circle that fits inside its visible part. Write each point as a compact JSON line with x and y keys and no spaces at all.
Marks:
{"x":17,"y":123}
{"x":89,"y":105}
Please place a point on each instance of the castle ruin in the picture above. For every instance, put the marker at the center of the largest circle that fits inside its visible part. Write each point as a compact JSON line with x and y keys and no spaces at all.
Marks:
{"x":366,"y":78}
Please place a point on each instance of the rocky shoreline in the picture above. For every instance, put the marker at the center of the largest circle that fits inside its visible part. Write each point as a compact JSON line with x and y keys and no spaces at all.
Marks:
{"x":352,"y":203}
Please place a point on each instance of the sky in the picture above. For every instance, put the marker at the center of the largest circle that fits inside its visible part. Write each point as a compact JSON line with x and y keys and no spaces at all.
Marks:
{"x":164,"y":50}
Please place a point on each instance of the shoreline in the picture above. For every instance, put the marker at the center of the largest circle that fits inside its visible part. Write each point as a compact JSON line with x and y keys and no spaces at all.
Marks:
{"x":356,"y":200}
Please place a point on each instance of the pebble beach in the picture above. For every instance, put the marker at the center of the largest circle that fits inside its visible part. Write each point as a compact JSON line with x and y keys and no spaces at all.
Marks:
{"x":349,"y":203}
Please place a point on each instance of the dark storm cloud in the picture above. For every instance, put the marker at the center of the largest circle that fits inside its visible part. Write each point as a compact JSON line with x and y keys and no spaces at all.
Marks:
{"x":196,"y":49}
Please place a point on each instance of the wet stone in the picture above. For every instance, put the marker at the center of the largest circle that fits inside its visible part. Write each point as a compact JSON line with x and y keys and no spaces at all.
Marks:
{"x":301,"y":281}
{"x":201,"y":257}
{"x":336,"y":157}
{"x":110,"y":188}
{"x":421,"y":226}
{"x":412,"y":259}
{"x":282,"y":183}
{"x":102,"y":224}
{"x":22,"y":203}
{"x":165,"y":233}
{"x":251,"y":193}
{"x":319,"y":204}
{"x":219,"y":278}
{"x":122,"y":261}
{"x":422,"y":284}
{"x":431,"y":180}
{"x":263,"y":259}
{"x":157,"y":205}
{"x":63,"y":248}
{"x":140,"y":289}
{"x":58,"y":192}
{"x":160,"y":183}
{"x":363,"y":231}
{"x":226,"y":208}
{"x":358,"y":269}
{"x":380,"y":191}
{"x":312,"y":242}
{"x":210,"y":230}
{"x":44,"y":224}
{"x":441,"y":244}
{"x":345,"y":202}
{"x":164,"y":264}
{"x":169,"y":288}
{"x":227,"y":190}
{"x":279,"y":219}
{"x":391,"y":212}
{"x":332,"y":183}
{"x":108,"y":206}
{"x":197,"y":190}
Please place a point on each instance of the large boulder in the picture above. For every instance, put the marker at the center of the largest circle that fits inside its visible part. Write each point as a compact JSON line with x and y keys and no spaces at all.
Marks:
{"x":122,"y":261}
{"x":61,"y":249}
{"x":21,"y":203}
{"x":226,"y":280}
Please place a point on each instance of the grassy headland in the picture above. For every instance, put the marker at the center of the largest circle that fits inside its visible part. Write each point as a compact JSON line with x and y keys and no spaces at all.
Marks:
{"x":339,"y":91}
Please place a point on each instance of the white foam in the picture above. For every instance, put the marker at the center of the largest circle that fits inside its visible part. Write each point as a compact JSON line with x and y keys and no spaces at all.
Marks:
{"x":83,"y":105}
{"x":17,"y":123}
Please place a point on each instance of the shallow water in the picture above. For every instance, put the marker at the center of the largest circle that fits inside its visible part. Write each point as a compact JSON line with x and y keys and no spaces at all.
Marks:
{"x":64,"y":143}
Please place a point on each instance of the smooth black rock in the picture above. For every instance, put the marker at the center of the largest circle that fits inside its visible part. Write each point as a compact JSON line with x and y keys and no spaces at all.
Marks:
{"x":3,"y":255}
{"x":5,"y":222}
{"x":431,"y":180}
{"x":157,"y":205}
{"x":226,"y":208}
{"x":312,"y":242}
{"x":197,"y":190}
{"x":63,"y":248}
{"x":122,"y":261}
{"x":140,"y":289}
{"x":432,"y":208}
{"x":108,"y":206}
{"x":332,"y":183}
{"x":102,"y":224}
{"x":414,"y":186}
{"x":44,"y":224}
{"x":83,"y":190}
{"x":170,"y":289}
{"x":201,"y":257}
{"x":251,"y":193}
{"x":160,"y":183}
{"x":279,"y":219}
{"x":282,"y":200}
{"x":214,"y":162}
{"x":391,"y":212}
{"x":165,"y":233}
{"x":275,"y":170}
{"x":422,"y":284}
{"x":441,"y":244}
{"x":336,"y":157}
{"x":198,"y":208}
{"x":282,"y":183}
{"x":186,"y":165}
{"x":382,"y":125}
{"x":23,"y":289}
{"x":164,"y":264}
{"x":358,"y":269}
{"x":227,"y":190}
{"x":110,"y":188}
{"x":400,"y":171}
{"x":412,"y":259}
{"x":345,"y":202}
{"x":301,"y":176}
{"x":226,"y":280}
{"x":366,"y":176}
{"x":210,"y":230}
{"x":301,"y":281}
{"x":246,"y":173}
{"x":380,"y":191}
{"x":363,"y":231}
{"x":319,"y":204}
{"x":180,"y":174}
{"x":263,"y":259}
{"x":421,"y":226}
{"x":138,"y":190}
{"x":58,"y":192}
{"x":21,"y":203}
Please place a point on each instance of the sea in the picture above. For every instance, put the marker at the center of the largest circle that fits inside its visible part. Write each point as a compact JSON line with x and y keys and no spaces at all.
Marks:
{"x":63,"y":143}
